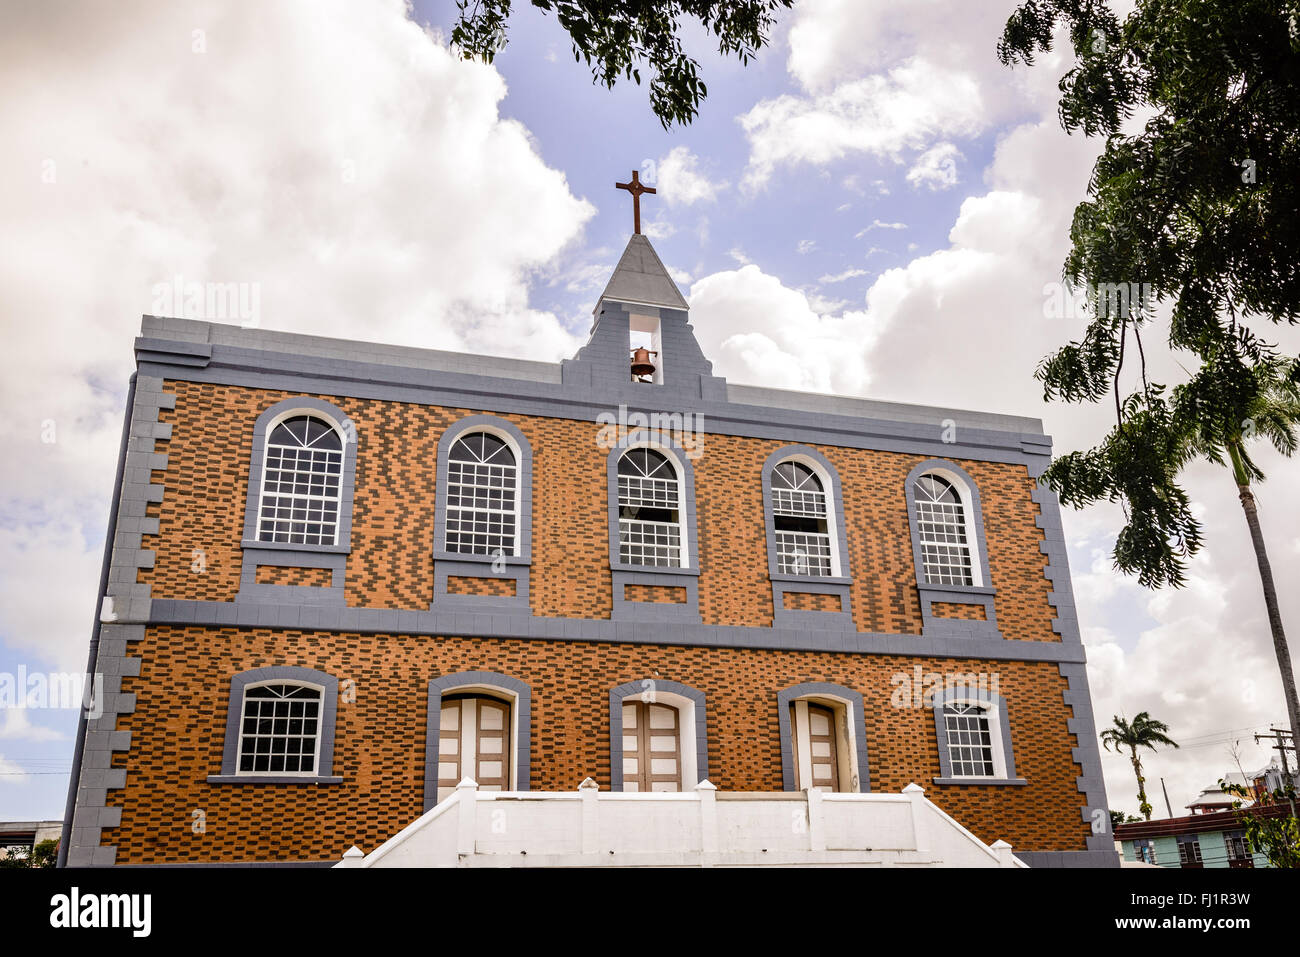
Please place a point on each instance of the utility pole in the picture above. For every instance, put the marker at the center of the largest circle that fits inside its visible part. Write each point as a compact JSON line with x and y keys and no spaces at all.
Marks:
{"x":1168,"y":807}
{"x":1281,"y":748}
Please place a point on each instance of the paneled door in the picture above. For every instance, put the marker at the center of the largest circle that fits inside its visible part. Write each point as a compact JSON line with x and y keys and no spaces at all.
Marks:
{"x":473,"y":739}
{"x":652,"y":749}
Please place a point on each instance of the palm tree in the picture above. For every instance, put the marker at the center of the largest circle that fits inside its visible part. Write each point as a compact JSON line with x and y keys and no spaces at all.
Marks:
{"x":1144,"y":732}
{"x":1219,"y":427}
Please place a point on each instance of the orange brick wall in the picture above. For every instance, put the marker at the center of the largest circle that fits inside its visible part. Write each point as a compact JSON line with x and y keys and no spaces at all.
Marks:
{"x":393,"y":517}
{"x":179,"y":725}
{"x":810,"y":601}
{"x":958,"y":609}
{"x":664,"y":594}
{"x":276,"y":575}
{"x":470,"y":585}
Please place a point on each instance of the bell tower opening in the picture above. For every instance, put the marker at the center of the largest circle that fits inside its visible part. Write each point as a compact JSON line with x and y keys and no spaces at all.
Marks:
{"x":645,"y":349}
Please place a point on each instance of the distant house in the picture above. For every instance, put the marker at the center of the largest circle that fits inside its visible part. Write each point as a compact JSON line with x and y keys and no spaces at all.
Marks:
{"x":22,"y":836}
{"x":1211,"y":836}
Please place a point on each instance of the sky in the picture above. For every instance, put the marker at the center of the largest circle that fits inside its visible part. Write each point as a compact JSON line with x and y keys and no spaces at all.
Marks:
{"x":874,"y":206}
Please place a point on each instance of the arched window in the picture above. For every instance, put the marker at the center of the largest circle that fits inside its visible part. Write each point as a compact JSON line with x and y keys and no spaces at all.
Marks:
{"x":482,"y":496}
{"x":974,"y":735}
{"x":803,"y":540}
{"x":280,"y":729}
{"x":649,"y":509}
{"x":942,"y":528}
{"x":301,"y":483}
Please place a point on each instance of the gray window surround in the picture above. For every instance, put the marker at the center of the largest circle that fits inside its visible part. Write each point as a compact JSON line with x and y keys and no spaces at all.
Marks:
{"x":234,"y":716}
{"x":783,"y":583}
{"x":516,"y":567}
{"x":983,"y":594}
{"x":686,"y":577}
{"x":509,"y":687}
{"x":842,"y":695}
{"x":984,"y":697}
{"x":333,"y":557}
{"x":630,"y":689}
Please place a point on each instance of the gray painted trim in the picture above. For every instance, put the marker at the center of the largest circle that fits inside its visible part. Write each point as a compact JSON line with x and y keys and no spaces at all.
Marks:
{"x":983,"y":594}
{"x":812,"y":689}
{"x":783,"y":583}
{"x":235,"y":711}
{"x":523,"y":717}
{"x":288,"y":555}
{"x":391,"y":621}
{"x":450,"y":564}
{"x":616,"y":697}
{"x":312,"y":354}
{"x":1090,"y":783}
{"x":1070,"y":859}
{"x":255,"y":556}
{"x":624,"y":574}
{"x":132,"y":608}
{"x":993,"y":700}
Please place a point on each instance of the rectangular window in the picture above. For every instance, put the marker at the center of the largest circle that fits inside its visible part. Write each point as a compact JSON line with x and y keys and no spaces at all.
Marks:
{"x":481,"y":508}
{"x":1189,"y":851}
{"x":279,"y":731}
{"x":970,"y":740}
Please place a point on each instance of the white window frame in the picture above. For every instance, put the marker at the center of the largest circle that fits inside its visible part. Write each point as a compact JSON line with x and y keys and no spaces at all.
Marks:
{"x":968,"y":519}
{"x":995,"y":718}
{"x":271,"y":426}
{"x":320,"y":727}
{"x":683,"y":533}
{"x":517,"y":514}
{"x":831,"y":496}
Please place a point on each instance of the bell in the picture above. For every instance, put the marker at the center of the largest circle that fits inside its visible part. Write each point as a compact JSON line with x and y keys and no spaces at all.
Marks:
{"x":641,"y":364}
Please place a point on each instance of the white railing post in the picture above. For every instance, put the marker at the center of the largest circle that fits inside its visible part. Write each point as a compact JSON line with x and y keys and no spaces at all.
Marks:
{"x":708,"y":796}
{"x":353,"y":857}
{"x":467,"y":791}
{"x":588,"y":791}
{"x":816,"y":821}
{"x":920,"y":816}
{"x":1003,"y":851}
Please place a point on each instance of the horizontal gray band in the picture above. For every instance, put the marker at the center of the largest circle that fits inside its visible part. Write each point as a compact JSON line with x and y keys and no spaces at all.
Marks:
{"x":170,"y":611}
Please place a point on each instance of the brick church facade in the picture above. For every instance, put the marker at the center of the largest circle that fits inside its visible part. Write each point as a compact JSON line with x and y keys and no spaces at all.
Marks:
{"x":344,"y":576}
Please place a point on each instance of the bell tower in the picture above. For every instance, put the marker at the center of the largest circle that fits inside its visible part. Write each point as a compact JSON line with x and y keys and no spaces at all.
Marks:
{"x":641,"y":338}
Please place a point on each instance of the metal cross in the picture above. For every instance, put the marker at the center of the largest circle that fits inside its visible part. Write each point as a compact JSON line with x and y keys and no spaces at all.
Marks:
{"x":636,"y":188}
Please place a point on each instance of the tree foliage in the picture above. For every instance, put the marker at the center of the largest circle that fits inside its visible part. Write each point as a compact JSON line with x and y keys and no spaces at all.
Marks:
{"x":1277,"y":838}
{"x":616,"y":37}
{"x":1143,"y":731}
{"x":1193,"y":215}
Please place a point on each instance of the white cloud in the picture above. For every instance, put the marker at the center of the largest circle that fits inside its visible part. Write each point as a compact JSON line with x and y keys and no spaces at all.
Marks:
{"x":881,"y":115}
{"x":17,"y":726}
{"x":384,"y":200}
{"x":847,"y":274}
{"x":757,"y":330}
{"x":806,"y":246}
{"x":680,"y":181}
{"x":877,"y":224}
{"x":936,"y":168}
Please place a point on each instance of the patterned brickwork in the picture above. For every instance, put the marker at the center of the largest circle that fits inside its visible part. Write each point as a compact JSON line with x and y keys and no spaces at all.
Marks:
{"x":663,"y":594}
{"x":957,"y":609}
{"x":310,"y":577}
{"x":811,"y":601}
{"x":393,"y":517}
{"x":469,"y":585}
{"x":178,"y":734}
